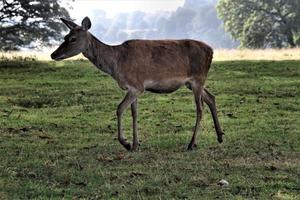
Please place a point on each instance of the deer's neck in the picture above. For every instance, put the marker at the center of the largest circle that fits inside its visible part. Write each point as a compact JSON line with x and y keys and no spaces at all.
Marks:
{"x":101,"y":55}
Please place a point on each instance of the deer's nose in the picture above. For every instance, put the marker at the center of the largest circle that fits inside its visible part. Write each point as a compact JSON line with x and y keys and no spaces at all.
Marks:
{"x":53,"y":56}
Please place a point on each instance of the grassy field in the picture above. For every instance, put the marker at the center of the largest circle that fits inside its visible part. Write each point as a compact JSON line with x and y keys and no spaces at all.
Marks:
{"x":58,"y":135}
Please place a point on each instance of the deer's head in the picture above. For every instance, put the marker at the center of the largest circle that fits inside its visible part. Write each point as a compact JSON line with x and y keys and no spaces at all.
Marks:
{"x":75,"y":41}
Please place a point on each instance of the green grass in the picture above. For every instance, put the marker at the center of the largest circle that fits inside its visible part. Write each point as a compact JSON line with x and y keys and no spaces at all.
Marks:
{"x":58,"y":135}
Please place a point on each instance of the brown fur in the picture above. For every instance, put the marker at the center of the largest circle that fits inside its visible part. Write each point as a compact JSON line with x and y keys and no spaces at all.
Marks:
{"x":135,"y":62}
{"x":145,"y":60}
{"x":159,"y":66}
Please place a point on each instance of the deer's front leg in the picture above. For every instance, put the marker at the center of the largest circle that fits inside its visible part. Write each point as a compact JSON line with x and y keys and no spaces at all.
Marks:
{"x":129,"y":99}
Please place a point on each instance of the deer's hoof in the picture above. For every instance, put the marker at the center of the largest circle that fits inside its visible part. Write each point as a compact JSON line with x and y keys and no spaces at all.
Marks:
{"x":128,"y":146}
{"x":220,"y":140}
{"x":220,"y":137}
{"x":135,"y":147}
{"x":192,"y":147}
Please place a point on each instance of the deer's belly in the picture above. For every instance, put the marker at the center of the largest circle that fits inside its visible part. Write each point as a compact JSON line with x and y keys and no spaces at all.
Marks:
{"x":167,"y":86}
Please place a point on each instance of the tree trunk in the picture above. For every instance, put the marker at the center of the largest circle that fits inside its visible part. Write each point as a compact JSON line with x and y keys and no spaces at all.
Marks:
{"x":290,"y":38}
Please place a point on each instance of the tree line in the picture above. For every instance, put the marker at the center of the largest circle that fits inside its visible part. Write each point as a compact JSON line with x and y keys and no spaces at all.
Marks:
{"x":222,"y":23}
{"x":262,"y":23}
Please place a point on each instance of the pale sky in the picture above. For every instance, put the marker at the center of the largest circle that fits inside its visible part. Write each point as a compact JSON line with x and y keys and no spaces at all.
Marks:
{"x":82,"y":8}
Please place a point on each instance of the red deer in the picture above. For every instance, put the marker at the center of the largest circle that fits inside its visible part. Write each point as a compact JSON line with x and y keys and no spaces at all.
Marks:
{"x":159,"y":66}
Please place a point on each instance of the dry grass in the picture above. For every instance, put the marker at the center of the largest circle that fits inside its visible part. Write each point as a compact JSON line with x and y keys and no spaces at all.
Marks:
{"x":260,"y":54}
{"x":219,"y":55}
{"x":38,"y":55}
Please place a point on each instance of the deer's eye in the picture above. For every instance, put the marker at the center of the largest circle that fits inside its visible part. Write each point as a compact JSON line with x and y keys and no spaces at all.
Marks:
{"x":73,"y":39}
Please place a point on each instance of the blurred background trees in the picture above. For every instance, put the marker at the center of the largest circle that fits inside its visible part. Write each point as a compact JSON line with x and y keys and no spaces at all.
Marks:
{"x":220,"y":23}
{"x":26,"y":23}
{"x":262,"y":23}
{"x":195,"y":19}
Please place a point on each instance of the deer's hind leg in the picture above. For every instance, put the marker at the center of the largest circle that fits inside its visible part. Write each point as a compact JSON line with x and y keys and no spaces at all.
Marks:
{"x":210,"y":101}
{"x":197,"y":90}
{"x":135,"y":142}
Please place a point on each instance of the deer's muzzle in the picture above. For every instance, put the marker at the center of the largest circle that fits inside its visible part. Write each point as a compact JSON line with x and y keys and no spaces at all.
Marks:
{"x":56,"y":56}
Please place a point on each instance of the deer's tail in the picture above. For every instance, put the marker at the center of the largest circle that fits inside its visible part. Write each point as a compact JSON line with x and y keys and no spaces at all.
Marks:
{"x":209,"y":57}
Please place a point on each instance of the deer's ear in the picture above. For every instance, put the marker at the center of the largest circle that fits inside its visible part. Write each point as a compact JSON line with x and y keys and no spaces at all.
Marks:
{"x":69,"y":23}
{"x":86,"y":24}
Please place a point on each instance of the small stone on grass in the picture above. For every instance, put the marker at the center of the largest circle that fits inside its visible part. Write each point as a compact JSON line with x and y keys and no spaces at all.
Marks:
{"x":223,"y":183}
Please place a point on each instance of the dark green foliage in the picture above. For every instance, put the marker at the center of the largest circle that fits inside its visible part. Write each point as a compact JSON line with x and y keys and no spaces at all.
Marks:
{"x":262,"y":23}
{"x":58,"y":135}
{"x":25,"y":21}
